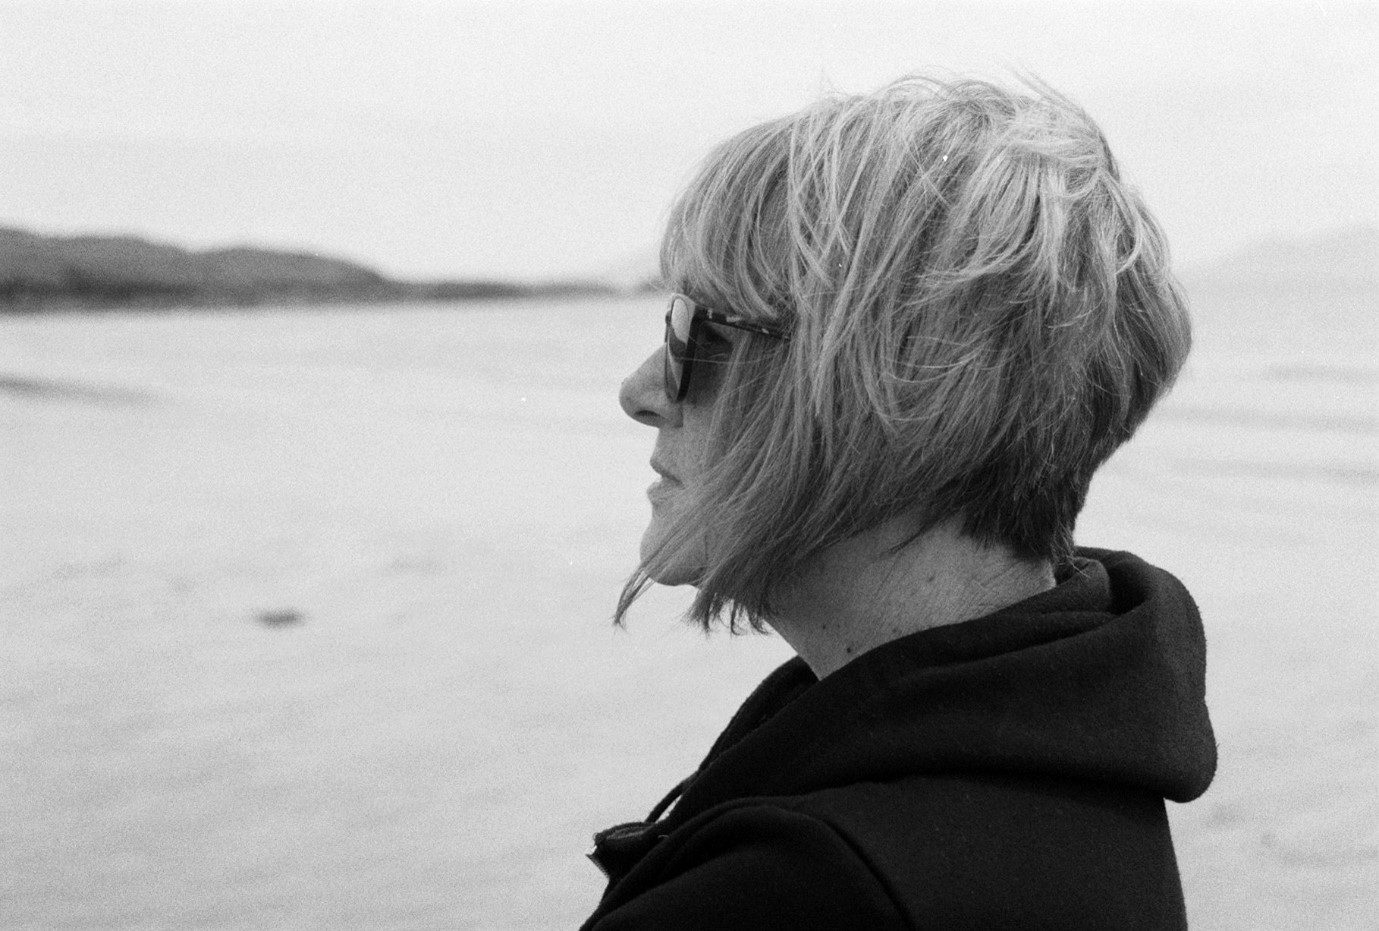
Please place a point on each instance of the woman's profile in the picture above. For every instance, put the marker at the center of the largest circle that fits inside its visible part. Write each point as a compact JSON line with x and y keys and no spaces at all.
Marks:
{"x":905,"y":330}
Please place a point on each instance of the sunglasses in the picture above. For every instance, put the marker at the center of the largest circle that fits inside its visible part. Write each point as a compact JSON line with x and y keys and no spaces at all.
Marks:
{"x":687,"y":338}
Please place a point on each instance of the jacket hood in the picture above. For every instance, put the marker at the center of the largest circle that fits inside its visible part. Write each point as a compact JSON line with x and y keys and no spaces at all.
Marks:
{"x":1100,"y":678}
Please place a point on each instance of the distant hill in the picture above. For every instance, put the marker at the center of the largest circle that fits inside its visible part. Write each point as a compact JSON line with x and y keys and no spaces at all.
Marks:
{"x":39,"y":273}
{"x":1344,"y":259}
{"x":1293,"y":292}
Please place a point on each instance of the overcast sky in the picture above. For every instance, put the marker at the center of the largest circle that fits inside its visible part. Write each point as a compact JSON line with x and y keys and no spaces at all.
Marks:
{"x":540,"y":139}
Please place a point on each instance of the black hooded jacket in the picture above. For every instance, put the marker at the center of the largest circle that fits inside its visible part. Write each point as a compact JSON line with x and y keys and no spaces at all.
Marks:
{"x":1005,"y":772}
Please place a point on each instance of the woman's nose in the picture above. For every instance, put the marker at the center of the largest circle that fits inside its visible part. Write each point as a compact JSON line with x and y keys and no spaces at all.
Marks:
{"x":643,"y":394}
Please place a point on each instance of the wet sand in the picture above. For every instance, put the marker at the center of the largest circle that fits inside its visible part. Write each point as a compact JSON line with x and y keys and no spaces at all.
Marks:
{"x":438,"y":507}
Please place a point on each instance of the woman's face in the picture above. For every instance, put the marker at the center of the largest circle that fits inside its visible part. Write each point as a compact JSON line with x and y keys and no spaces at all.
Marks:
{"x":680,"y":454}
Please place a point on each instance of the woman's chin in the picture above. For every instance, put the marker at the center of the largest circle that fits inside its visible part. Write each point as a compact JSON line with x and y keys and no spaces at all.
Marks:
{"x":679,"y":569}
{"x":676,"y":575}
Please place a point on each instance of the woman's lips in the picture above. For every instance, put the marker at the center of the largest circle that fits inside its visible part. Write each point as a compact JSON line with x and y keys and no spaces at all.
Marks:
{"x":665,"y":473}
{"x":664,"y":485}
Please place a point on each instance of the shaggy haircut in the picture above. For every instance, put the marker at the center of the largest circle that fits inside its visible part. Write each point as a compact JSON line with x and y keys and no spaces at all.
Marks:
{"x":981,"y":311}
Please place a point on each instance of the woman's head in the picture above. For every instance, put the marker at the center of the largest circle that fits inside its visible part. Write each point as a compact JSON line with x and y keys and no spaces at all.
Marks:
{"x":980,"y":312}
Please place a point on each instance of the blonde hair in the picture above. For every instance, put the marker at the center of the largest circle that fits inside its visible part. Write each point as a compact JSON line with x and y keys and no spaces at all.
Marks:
{"x":981,"y":311}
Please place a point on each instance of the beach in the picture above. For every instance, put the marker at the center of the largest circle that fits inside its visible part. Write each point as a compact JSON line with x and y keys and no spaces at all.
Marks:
{"x":307,"y":612}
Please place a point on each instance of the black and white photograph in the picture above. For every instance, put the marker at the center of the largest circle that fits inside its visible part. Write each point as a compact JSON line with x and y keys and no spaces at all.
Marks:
{"x":689,"y":464}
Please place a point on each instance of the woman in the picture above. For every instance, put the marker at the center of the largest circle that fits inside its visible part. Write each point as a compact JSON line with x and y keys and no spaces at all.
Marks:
{"x":907,"y":329}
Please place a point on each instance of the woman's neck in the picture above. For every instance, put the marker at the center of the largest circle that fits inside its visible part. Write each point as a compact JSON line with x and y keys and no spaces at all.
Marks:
{"x":861,"y":593}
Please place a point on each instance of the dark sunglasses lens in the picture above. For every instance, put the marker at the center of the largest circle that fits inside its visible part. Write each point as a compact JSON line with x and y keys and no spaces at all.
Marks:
{"x":678,"y":322}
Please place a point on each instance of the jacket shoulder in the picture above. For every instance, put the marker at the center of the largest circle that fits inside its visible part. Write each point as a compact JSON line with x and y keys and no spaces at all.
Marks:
{"x":750,"y":864}
{"x":991,"y":851}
